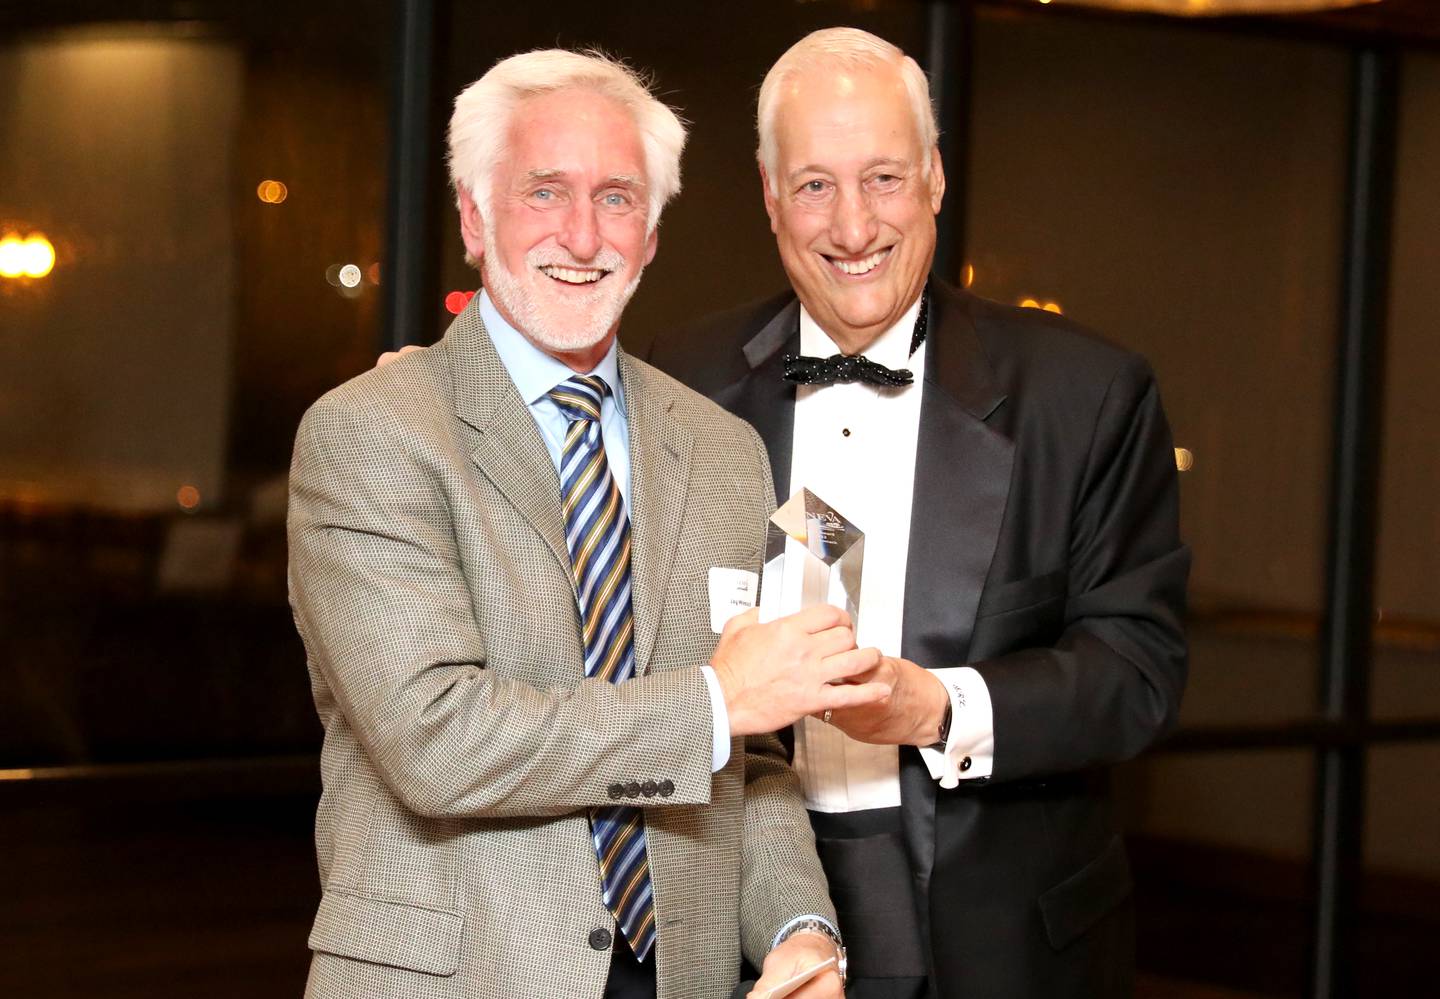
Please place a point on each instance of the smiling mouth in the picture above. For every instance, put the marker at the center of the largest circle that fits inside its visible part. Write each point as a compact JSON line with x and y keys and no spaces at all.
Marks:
{"x":861,"y":267}
{"x":573,"y":275}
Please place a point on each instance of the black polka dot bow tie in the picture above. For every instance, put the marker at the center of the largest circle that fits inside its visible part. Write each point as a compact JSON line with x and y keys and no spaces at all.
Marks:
{"x":842,"y":368}
{"x":805,"y":370}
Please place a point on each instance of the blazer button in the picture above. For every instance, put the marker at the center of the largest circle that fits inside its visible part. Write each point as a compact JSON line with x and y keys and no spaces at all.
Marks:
{"x":649,"y":788}
{"x":600,"y":938}
{"x":965,"y":764}
{"x":615,"y":791}
{"x":667,"y":788}
{"x":632,"y":790}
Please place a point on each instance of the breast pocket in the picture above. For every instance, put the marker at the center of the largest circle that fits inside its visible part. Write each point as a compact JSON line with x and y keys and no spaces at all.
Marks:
{"x":1020,"y":613}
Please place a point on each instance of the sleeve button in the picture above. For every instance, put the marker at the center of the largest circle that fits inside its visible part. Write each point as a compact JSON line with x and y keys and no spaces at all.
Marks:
{"x":667,"y":788}
{"x":632,"y":790}
{"x":649,"y":788}
{"x":615,"y":791}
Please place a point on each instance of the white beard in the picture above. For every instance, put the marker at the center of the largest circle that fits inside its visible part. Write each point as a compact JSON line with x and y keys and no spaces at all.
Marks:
{"x":567,"y":322}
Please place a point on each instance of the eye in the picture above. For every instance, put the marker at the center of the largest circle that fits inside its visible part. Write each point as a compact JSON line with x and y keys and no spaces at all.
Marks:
{"x":813,"y":187}
{"x":614,"y":199}
{"x":544,"y":195}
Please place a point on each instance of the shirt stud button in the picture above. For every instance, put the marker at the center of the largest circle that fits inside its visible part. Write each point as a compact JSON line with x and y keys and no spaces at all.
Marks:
{"x":845,"y":432}
{"x":965,"y":764}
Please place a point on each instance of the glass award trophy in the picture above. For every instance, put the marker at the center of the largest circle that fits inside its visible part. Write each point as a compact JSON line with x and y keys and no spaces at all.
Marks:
{"x":813,"y":555}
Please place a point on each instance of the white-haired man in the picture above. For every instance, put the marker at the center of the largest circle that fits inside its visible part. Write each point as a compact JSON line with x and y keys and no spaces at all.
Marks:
{"x":1023,"y":571}
{"x":542,"y":777}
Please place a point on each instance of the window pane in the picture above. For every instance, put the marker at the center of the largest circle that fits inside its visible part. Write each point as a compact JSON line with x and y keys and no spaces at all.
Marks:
{"x":1407,"y":635}
{"x":1180,"y":192}
{"x":201,"y":183}
{"x":1220,"y":847}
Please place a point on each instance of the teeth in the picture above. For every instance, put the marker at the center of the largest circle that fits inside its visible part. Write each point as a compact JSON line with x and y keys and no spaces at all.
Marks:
{"x":572,"y":276}
{"x":863,"y":266}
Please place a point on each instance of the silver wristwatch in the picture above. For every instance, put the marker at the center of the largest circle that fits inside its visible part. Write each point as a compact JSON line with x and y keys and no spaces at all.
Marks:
{"x":825,"y":929}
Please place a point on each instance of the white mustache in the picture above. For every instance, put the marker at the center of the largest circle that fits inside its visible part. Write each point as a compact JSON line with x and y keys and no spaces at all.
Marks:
{"x":606,"y":259}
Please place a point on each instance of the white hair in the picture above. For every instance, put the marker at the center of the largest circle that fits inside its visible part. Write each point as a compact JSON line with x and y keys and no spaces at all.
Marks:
{"x":845,"y":48}
{"x":480,"y":125}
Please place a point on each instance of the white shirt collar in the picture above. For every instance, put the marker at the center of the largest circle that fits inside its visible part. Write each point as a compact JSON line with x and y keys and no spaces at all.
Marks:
{"x":535,"y":372}
{"x":892,"y":349}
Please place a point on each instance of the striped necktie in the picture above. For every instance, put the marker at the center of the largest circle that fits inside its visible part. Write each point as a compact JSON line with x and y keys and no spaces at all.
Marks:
{"x":597,"y":534}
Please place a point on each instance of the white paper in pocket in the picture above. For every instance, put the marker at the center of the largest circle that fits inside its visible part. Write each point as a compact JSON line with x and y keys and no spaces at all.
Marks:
{"x":732,"y":591}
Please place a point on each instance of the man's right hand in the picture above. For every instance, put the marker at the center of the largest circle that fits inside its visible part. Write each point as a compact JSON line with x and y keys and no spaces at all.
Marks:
{"x":774,"y":674}
{"x":395,"y":355}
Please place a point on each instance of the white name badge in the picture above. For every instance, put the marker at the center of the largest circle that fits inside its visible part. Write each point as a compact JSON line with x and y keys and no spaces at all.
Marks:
{"x":732,"y":591}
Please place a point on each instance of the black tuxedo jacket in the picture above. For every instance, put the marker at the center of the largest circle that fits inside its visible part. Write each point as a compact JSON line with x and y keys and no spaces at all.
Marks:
{"x":1045,"y":553}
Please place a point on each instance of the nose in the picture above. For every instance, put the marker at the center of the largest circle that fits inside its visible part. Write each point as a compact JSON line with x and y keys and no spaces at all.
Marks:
{"x":581,"y":231}
{"x":853,"y":226}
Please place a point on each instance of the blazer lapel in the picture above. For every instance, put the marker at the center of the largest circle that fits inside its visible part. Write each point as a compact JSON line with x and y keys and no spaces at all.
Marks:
{"x":506,"y":445}
{"x":763,"y":397}
{"x":962,"y":483}
{"x":660,"y":451}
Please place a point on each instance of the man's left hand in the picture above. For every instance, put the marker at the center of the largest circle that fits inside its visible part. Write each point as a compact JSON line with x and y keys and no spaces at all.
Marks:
{"x":910,"y":716}
{"x":794,"y":954}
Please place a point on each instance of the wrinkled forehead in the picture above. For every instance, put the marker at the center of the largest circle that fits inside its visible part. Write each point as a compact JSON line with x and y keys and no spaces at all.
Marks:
{"x":574,"y":133}
{"x":845,"y":114}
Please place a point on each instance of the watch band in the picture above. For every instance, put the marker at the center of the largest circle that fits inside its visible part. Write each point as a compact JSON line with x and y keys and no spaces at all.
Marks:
{"x":939,"y":744}
{"x":825,"y":929}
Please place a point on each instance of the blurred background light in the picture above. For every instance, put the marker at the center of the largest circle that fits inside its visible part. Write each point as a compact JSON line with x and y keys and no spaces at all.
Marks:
{"x":31,"y":257}
{"x":349,"y":275}
{"x":456,"y":301}
{"x":272,"y":192}
{"x":188,"y":497}
{"x":1052,"y":307}
{"x":1184,"y":459}
{"x":1215,"y":8}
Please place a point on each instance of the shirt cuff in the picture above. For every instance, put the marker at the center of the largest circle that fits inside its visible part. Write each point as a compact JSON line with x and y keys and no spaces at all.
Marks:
{"x":720,"y":722}
{"x":969,"y":753}
{"x":781,"y":933}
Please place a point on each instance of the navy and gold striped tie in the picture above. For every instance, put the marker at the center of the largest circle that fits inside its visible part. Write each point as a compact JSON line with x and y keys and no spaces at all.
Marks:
{"x":597,"y":533}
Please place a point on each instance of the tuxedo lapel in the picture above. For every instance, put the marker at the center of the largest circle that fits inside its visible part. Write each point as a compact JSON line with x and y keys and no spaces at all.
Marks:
{"x":660,"y":451}
{"x":763,"y":397}
{"x":962,"y":483}
{"x":506,"y":445}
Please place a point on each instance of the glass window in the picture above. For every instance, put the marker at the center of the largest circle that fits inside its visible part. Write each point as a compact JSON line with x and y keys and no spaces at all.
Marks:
{"x":1406,"y":675}
{"x":1180,"y":191}
{"x":193,"y":212}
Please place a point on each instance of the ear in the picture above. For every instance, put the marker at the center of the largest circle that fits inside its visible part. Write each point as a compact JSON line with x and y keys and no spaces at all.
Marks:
{"x":772,"y":205}
{"x":651,"y":243}
{"x":472,"y":226}
{"x":937,"y":180}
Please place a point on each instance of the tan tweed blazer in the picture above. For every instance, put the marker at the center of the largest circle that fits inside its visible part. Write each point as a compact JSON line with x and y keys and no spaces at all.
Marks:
{"x":430,"y":583}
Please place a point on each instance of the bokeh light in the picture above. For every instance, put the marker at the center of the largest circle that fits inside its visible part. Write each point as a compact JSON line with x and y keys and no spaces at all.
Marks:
{"x":272,"y":192}
{"x":456,"y":301}
{"x":1184,"y":459}
{"x":31,"y":257}
{"x":188,"y":497}
{"x":349,"y":275}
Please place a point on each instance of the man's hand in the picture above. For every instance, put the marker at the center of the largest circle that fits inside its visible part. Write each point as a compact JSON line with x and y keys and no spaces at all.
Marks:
{"x":910,"y":716}
{"x":773,"y":674}
{"x":391,"y":355}
{"x":794,"y":954}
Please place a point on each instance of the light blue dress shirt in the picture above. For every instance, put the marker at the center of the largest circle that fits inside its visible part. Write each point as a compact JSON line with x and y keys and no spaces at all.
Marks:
{"x":535,"y":373}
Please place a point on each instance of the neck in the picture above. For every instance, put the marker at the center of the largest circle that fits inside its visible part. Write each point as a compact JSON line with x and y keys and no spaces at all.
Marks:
{"x":586,"y":359}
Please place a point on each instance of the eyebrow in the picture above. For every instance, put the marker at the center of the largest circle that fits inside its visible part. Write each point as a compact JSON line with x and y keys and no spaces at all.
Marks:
{"x":616,"y":179}
{"x":867,"y":165}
